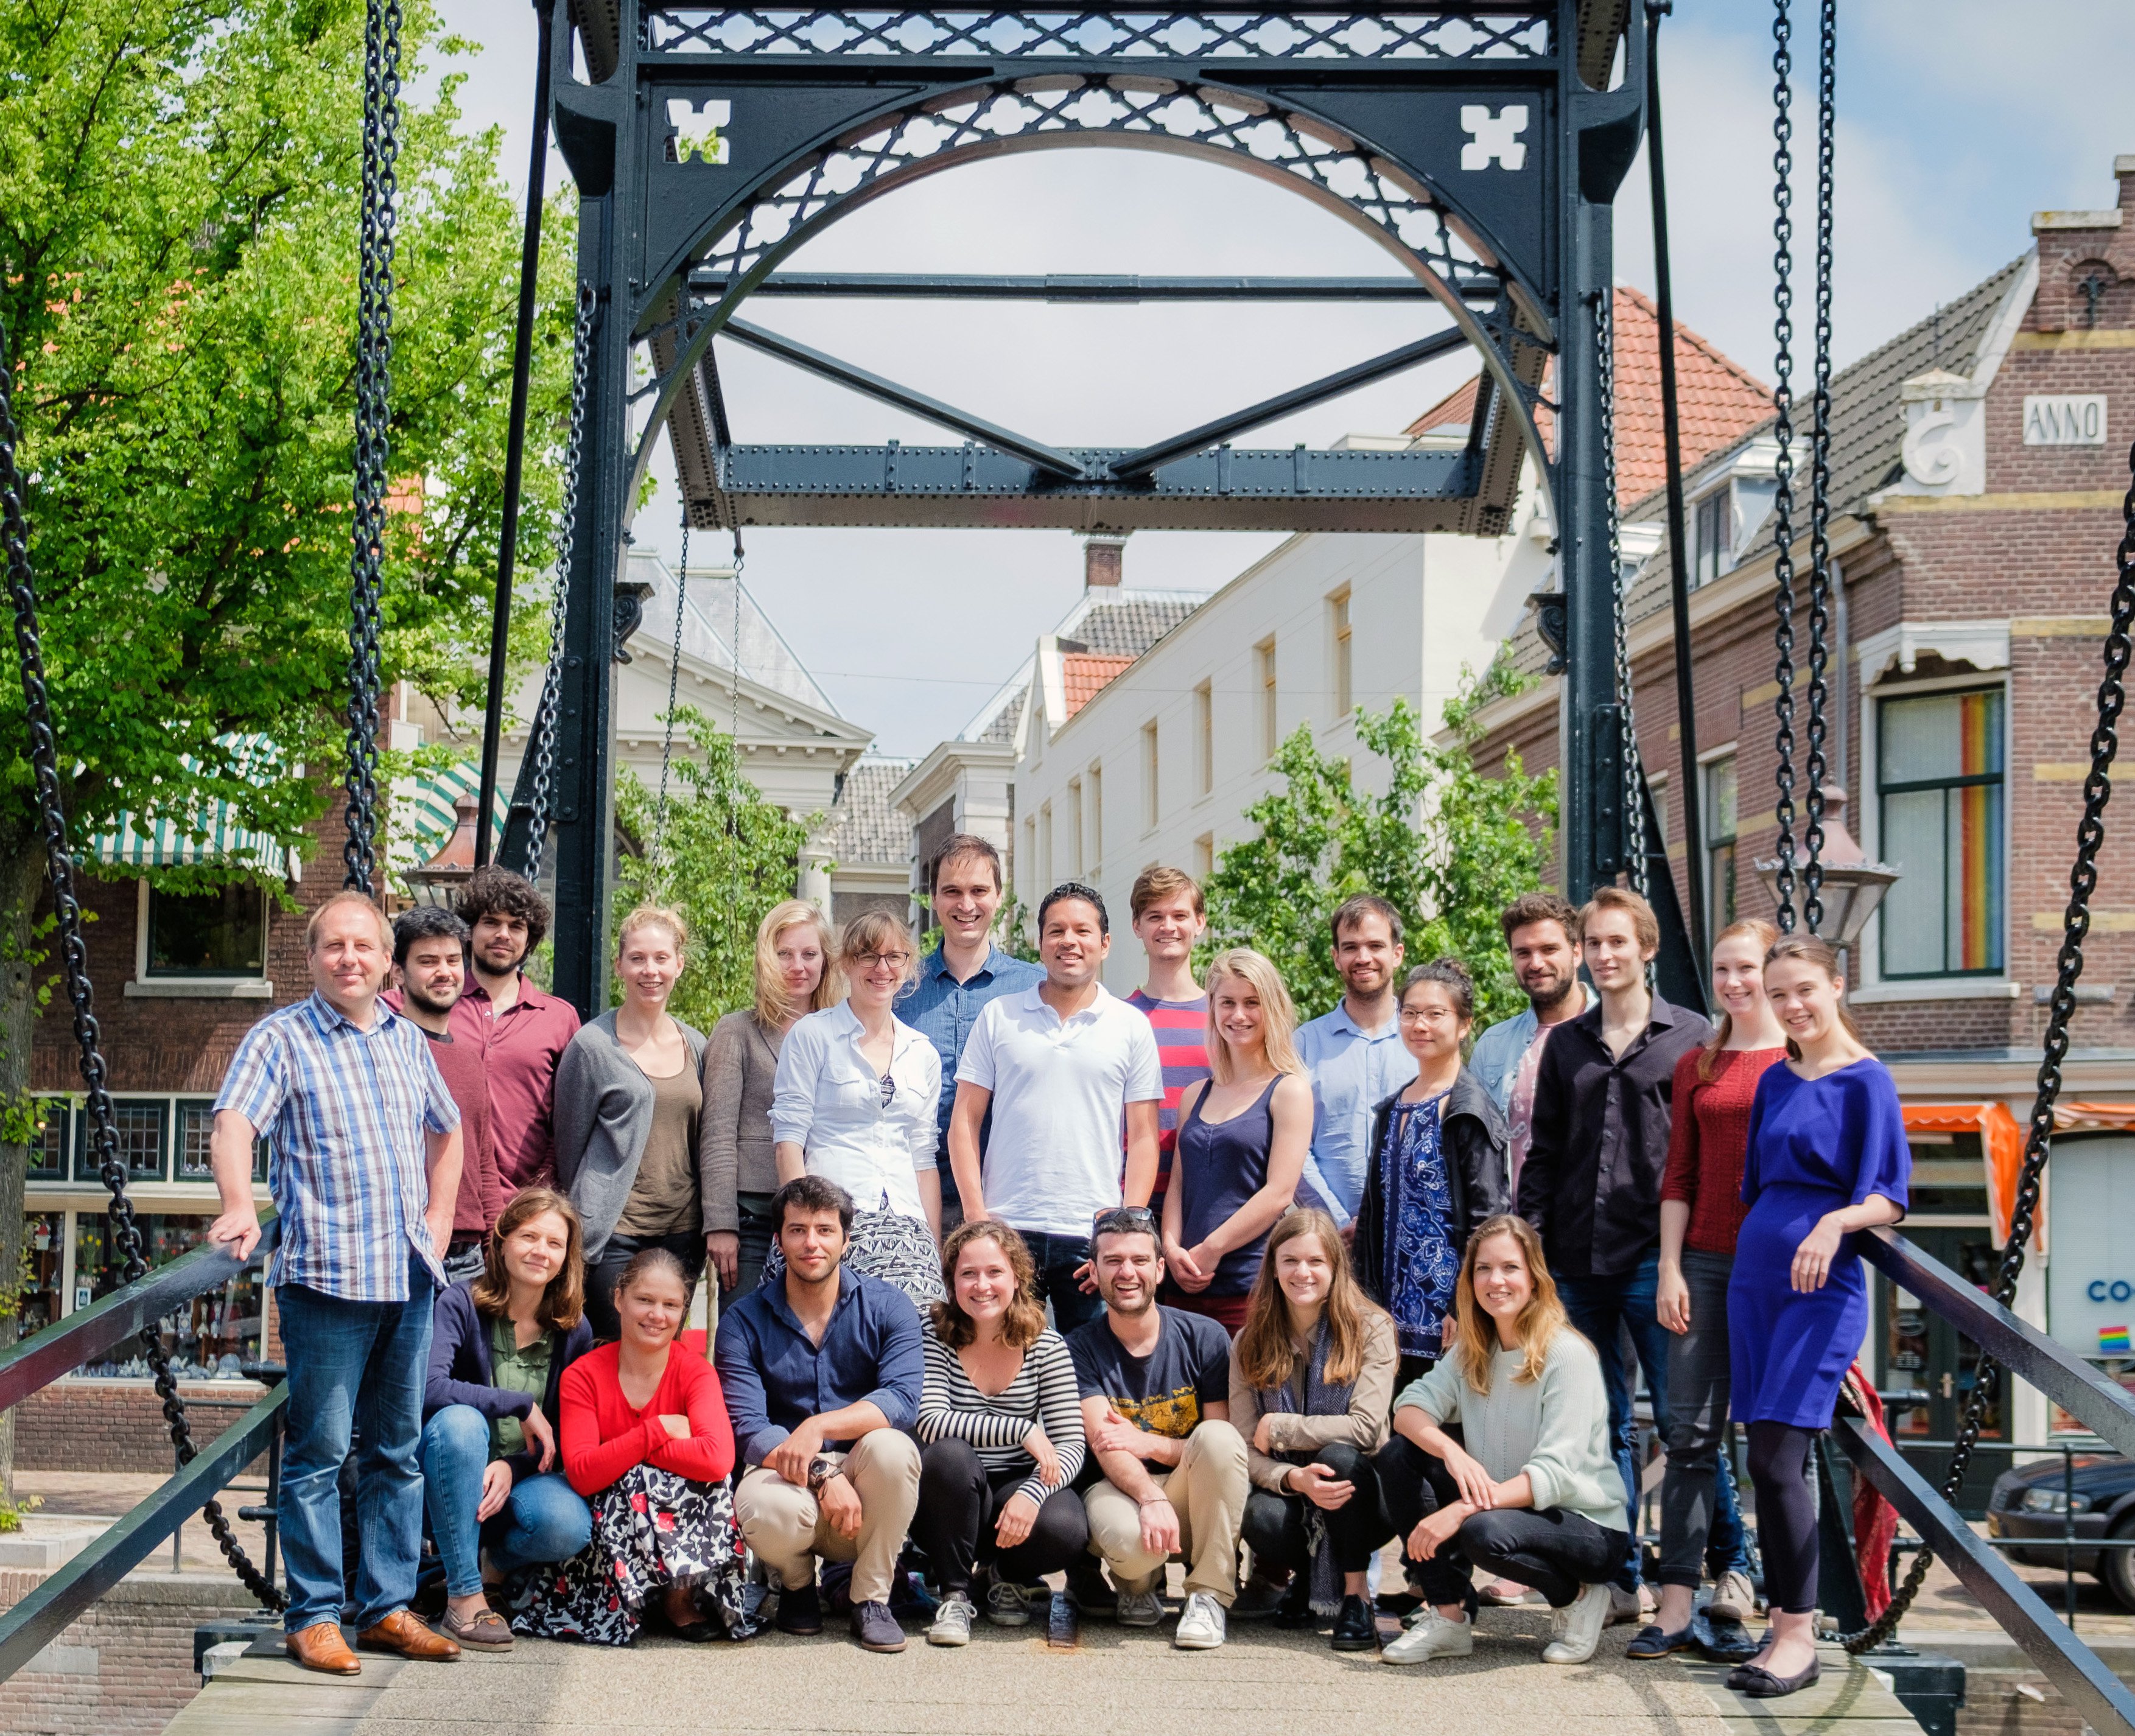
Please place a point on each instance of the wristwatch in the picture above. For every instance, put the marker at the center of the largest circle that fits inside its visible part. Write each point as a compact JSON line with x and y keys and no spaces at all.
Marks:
{"x":821,"y":1468}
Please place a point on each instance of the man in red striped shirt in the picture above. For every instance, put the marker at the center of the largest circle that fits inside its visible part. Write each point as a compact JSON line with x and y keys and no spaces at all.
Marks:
{"x":1169,"y":915}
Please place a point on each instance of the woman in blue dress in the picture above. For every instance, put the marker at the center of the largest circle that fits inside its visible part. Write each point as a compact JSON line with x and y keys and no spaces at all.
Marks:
{"x":1827,"y":1159}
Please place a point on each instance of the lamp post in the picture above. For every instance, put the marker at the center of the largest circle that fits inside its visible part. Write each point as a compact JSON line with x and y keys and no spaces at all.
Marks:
{"x":1853,"y":886}
{"x":439,"y":880}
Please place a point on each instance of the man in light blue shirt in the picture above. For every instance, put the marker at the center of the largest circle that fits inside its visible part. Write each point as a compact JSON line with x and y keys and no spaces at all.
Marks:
{"x":1354,"y":1053}
{"x":1541,"y":933}
{"x":961,"y":975}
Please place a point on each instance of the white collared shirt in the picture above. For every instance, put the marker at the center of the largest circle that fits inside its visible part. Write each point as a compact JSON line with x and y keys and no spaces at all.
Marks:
{"x":1060,"y":1088}
{"x":827,"y":1099}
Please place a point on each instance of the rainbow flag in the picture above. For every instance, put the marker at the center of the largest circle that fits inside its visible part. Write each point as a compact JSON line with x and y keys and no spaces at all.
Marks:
{"x":2113,"y":1341}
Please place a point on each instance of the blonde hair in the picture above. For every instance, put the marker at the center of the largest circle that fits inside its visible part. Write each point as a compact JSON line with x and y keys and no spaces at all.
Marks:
{"x":653,"y":916}
{"x":1267,"y":1354}
{"x":772,"y":1009}
{"x":1764,"y":934}
{"x":870,"y":931}
{"x":1538,"y":1323}
{"x":345,"y":896}
{"x":1278,"y":1012}
{"x":1160,"y":882}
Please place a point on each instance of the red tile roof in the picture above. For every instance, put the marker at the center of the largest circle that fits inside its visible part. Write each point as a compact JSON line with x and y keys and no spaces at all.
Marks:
{"x":1084,"y":674}
{"x":1719,"y":401}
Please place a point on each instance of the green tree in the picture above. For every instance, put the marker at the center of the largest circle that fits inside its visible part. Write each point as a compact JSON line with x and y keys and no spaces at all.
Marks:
{"x":729,"y":856}
{"x":179,"y":185}
{"x":1448,"y":844}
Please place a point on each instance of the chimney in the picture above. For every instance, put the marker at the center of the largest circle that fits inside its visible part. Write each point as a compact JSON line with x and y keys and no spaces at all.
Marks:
{"x":1103,"y":555}
{"x":2084,"y":258}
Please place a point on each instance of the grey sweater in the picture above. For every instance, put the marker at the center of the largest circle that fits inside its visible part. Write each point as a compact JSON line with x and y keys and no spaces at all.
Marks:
{"x":733,"y":1133}
{"x":603,"y":1113}
{"x":1555,"y":1428}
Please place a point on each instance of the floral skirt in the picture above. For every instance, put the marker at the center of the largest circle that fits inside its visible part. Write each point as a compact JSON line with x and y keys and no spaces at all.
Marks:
{"x":652,"y":1529}
{"x":889,"y":1245}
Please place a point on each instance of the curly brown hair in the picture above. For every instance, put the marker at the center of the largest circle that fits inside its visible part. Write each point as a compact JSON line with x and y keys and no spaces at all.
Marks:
{"x":1026,"y":1314}
{"x":494,"y":891}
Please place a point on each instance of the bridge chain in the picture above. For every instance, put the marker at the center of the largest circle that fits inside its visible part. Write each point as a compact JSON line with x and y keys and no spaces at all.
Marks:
{"x":1783,"y":473}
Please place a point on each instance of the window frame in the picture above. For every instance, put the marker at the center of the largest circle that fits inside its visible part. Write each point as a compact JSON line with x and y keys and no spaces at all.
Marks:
{"x":1204,"y":738}
{"x":84,"y":1163}
{"x":1709,"y":764}
{"x":1093,"y":780}
{"x":1340,"y":643}
{"x":1715,"y":502}
{"x":1264,"y":664}
{"x":1152,"y":808}
{"x":144,"y":905}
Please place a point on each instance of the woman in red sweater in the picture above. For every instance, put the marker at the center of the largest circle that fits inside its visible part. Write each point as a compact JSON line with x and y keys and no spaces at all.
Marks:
{"x":646,"y":1440}
{"x":1701,"y":1212}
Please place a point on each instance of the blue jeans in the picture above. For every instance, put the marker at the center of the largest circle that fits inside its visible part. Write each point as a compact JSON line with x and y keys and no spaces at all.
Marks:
{"x":1059,"y":1258}
{"x":353,"y":1365}
{"x":1601,"y":1307}
{"x":542,"y":1519}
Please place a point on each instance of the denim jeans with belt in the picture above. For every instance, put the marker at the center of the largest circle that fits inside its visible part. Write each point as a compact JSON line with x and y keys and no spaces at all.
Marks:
{"x":353,"y":1365}
{"x":1059,"y":1258}
{"x":542,"y":1519}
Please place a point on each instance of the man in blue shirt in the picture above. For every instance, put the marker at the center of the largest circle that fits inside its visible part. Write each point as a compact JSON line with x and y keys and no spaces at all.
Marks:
{"x":822,"y":1375}
{"x":961,"y":975}
{"x":1354,"y":1053}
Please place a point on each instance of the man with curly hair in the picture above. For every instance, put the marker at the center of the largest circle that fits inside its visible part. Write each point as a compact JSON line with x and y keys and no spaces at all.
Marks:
{"x":521,"y":1030}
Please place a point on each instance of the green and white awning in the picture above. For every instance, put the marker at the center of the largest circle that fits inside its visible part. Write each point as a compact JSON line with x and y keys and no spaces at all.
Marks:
{"x":209,"y":835}
{"x":422,"y":817}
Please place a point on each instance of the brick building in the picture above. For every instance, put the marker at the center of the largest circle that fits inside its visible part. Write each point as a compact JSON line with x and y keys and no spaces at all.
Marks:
{"x":1979,"y":461}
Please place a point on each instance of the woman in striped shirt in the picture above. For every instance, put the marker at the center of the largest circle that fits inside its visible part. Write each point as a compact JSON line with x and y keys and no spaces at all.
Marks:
{"x":1000,"y":1425}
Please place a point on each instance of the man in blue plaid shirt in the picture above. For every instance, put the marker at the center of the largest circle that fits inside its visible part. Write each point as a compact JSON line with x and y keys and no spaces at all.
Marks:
{"x":365,"y":1164}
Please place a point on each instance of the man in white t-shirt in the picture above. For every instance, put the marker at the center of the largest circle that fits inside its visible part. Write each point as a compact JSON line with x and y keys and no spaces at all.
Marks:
{"x":1059,"y":1065}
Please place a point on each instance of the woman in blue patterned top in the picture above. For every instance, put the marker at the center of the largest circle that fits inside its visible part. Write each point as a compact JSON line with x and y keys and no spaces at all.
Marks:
{"x":1439,"y":1167}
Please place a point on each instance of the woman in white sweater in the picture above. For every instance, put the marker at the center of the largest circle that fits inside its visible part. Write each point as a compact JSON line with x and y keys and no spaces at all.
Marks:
{"x":1000,"y":1421}
{"x":1530,"y":1492}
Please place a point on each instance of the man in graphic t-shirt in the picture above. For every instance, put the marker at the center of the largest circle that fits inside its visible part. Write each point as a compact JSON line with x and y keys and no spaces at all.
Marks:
{"x":1166,"y":1473}
{"x":1169,"y":915}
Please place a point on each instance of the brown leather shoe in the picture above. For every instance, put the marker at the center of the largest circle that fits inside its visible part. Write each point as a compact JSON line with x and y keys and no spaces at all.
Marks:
{"x":401,"y":1632}
{"x":321,"y":1648}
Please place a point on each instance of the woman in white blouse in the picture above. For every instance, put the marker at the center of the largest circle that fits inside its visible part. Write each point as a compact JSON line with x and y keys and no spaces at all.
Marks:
{"x":854,"y":1101}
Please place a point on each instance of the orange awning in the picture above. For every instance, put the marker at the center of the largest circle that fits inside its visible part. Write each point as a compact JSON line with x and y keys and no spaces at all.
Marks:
{"x":2001,"y":1143}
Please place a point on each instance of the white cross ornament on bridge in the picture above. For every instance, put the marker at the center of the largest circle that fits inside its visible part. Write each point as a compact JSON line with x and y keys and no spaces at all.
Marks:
{"x":1494,"y":138}
{"x":697,"y":130}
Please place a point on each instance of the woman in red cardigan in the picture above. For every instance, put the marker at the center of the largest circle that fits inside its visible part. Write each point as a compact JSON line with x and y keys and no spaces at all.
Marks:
{"x":646,"y":1440}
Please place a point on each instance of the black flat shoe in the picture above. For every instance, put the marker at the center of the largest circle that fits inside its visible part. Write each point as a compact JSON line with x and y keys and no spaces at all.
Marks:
{"x":1356,"y":1627}
{"x":1755,"y":1681}
{"x":799,"y":1612}
{"x":1722,"y":1641}
{"x":1654,"y":1641}
{"x":1295,"y":1613}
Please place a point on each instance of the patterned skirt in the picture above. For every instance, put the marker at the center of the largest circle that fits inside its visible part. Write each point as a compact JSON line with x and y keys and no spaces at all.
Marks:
{"x":889,"y":1245}
{"x":652,"y":1529}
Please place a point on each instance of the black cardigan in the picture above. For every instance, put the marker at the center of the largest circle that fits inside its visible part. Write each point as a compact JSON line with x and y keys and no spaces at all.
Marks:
{"x":1472,"y":1133}
{"x":461,"y":1371}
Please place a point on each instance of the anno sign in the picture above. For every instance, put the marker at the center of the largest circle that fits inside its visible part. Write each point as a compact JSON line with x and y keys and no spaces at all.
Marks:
{"x":2068,"y":418}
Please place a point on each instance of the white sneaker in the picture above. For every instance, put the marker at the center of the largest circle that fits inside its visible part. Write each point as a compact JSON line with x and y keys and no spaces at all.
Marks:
{"x":1138,"y":1609}
{"x":952,"y":1621}
{"x":1576,"y":1630}
{"x":1734,"y":1599}
{"x":1432,"y":1637}
{"x":1200,"y":1624}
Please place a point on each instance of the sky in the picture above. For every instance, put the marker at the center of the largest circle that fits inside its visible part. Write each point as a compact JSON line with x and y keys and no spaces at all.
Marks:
{"x":1956,"y":121}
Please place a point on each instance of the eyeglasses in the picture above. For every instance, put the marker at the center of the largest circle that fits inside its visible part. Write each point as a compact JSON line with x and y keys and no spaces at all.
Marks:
{"x":1124,"y":1218}
{"x":1421,"y":1015}
{"x":895,"y":960}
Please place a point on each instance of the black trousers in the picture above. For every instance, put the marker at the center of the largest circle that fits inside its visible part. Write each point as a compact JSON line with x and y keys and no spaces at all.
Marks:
{"x":602,"y":1275}
{"x":1786,"y":1514}
{"x":1554,"y":1551}
{"x":1274,"y":1524}
{"x":959,"y":1501}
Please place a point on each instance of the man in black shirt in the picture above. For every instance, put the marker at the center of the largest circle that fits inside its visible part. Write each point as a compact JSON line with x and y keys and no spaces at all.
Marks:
{"x":1592,"y":1185}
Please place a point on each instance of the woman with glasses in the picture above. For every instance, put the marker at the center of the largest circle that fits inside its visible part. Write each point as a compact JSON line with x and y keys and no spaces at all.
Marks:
{"x":855,"y":1099}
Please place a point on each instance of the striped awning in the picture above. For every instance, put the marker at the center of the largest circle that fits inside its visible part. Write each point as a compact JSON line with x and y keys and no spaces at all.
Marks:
{"x":211,"y":834}
{"x":421,"y":816}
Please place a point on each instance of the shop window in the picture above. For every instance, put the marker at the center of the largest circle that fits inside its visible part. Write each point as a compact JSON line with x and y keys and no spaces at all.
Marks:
{"x":222,"y":933}
{"x":48,"y":1151}
{"x":210,"y":1334}
{"x":1940,"y":784}
{"x":141,"y":1130}
{"x":43,"y":1261}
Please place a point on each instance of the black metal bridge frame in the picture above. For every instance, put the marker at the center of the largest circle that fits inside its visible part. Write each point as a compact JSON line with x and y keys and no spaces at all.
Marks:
{"x":1479,"y":143}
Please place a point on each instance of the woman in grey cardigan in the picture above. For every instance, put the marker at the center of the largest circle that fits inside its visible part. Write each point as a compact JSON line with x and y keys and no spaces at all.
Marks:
{"x":794,"y":976}
{"x":628,"y":1101}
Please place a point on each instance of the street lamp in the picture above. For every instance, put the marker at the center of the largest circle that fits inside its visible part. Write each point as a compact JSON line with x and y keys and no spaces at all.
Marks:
{"x":1853,"y":886}
{"x":438,"y":880}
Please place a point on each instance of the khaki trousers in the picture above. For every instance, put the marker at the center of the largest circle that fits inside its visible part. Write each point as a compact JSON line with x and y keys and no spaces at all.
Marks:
{"x":1207,"y":1489}
{"x":786,"y":1529}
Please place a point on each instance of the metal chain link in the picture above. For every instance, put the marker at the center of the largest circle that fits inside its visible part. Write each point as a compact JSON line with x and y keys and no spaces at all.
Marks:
{"x":1783,"y":498}
{"x":560,"y":591}
{"x":667,"y":742}
{"x":1819,"y":484}
{"x":74,"y":959}
{"x":374,"y":364}
{"x":1634,"y":830}
{"x":2039,"y":1138}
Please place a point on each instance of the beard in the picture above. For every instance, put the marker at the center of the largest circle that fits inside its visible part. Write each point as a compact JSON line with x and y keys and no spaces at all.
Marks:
{"x":422,"y":1002}
{"x":1541,"y":1000}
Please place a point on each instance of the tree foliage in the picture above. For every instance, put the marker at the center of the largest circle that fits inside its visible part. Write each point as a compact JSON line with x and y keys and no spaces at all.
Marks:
{"x":1449,"y":844}
{"x":729,"y":856}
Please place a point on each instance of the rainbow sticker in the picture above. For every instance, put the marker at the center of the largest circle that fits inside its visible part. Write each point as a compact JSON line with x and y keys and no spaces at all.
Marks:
{"x":2113,"y":1341}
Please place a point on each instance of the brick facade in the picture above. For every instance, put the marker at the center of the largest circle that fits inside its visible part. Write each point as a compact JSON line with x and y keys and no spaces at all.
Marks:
{"x":83,"y":1426}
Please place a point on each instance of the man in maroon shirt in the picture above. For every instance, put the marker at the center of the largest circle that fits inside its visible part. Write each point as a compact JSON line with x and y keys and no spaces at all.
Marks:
{"x":520,"y":1031}
{"x":430,"y":970}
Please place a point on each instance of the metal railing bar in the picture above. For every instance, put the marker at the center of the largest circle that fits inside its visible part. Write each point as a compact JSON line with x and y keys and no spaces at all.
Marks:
{"x":2086,"y":1684}
{"x":40,"y":1617}
{"x":2101,"y":1404}
{"x":42,"y":1358}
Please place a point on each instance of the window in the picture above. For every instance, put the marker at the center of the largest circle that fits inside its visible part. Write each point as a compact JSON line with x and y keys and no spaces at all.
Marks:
{"x":48,"y":1151}
{"x":1028,"y":871}
{"x":1096,"y":818}
{"x":216,"y":934}
{"x":1939,"y":782}
{"x":1204,"y":737}
{"x":196,"y":1126}
{"x":1337,"y":615}
{"x":140,"y":1126}
{"x":1712,"y":546}
{"x":1044,"y":847}
{"x":1075,"y":827}
{"x":1271,"y":730}
{"x":1719,"y":821}
{"x":1205,"y":857}
{"x":1150,"y":809}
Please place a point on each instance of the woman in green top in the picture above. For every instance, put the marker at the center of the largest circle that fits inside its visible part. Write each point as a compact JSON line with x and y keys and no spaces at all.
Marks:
{"x":498,"y":1350}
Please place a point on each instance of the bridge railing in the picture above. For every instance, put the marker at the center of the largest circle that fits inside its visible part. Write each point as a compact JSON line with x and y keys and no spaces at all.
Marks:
{"x":84,"y":1336}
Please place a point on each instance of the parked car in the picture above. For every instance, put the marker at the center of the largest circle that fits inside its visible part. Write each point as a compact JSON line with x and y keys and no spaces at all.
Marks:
{"x":2034,"y":1501}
